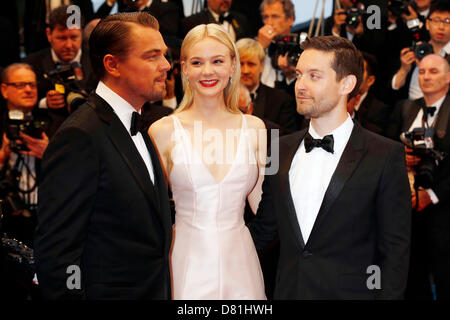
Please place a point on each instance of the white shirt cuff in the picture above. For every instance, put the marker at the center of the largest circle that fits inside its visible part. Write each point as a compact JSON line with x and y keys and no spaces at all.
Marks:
{"x":433,"y":196}
{"x":393,"y":82}
{"x":171,"y":103}
{"x":43,"y":103}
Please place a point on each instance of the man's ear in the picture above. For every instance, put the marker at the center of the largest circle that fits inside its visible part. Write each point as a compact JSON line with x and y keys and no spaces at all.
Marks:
{"x":110,"y":63}
{"x":4,"y":92}
{"x":348,"y":83}
{"x":48,"y":32}
{"x":371,"y":80}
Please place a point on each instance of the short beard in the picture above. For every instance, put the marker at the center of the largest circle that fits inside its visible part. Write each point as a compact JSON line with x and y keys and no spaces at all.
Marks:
{"x":157,"y":96}
{"x":318,"y":109}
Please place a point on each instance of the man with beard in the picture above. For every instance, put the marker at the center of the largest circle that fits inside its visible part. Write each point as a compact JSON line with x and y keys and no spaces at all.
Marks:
{"x":103,"y":210}
{"x":340,"y":200}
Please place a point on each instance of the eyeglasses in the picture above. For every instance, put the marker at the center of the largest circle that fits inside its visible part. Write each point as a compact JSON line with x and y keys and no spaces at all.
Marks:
{"x":22,"y":85}
{"x":437,"y":21}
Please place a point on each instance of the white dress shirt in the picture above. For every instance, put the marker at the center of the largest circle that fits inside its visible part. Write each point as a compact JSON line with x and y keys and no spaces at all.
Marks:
{"x":124,"y":111}
{"x":269,"y":74}
{"x":310,"y":174}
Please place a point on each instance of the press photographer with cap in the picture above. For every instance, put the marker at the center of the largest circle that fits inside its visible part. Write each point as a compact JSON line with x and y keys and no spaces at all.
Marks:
{"x":20,"y":157}
{"x":423,"y":125}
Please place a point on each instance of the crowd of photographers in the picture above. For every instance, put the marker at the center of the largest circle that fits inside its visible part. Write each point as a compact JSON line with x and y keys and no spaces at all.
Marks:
{"x":404,"y":93}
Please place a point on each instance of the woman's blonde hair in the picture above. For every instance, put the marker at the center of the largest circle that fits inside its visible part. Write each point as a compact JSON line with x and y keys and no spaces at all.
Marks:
{"x":213,"y":31}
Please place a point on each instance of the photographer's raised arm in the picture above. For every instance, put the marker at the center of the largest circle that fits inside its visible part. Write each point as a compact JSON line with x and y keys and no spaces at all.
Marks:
{"x":407,"y":58}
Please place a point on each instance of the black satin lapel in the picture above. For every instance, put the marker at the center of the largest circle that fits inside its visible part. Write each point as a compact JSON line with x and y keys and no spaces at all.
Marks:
{"x":411,"y":114}
{"x":352,"y":155}
{"x":160,"y":185}
{"x":126,"y":147}
{"x":285,"y":164}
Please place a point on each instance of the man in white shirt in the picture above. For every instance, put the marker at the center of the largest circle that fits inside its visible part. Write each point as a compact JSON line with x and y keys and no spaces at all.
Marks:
{"x":341,"y":197}
{"x":103,"y":201}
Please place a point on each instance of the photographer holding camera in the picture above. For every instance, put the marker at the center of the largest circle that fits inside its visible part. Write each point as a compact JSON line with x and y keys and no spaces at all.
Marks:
{"x":278,"y":17}
{"x":23,"y":145}
{"x":423,"y":125}
{"x":405,"y":81}
{"x":343,"y":27}
{"x":64,"y":68}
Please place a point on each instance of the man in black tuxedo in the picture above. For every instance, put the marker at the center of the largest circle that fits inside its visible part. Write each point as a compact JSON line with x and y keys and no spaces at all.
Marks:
{"x":65,"y":50}
{"x":270,"y":104}
{"x":341,"y":197}
{"x":430,"y":243}
{"x":103,"y":201}
{"x":218,"y":11}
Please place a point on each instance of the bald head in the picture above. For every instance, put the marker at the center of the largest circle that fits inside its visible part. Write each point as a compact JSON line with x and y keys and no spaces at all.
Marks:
{"x":434,"y":76}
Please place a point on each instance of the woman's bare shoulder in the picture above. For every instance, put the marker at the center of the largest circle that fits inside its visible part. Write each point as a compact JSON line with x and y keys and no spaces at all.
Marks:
{"x":254,"y":122}
{"x":161,"y":127}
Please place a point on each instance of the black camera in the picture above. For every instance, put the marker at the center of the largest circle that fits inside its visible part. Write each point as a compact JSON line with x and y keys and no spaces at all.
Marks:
{"x":420,"y":48}
{"x":18,"y":122}
{"x":66,"y":79}
{"x":421,"y":141}
{"x":286,"y":45}
{"x":353,"y":15}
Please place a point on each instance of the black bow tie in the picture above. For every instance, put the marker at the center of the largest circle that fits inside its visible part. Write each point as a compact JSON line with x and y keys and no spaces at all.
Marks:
{"x":326,"y":143}
{"x":137,"y":123}
{"x":430,"y":110}
{"x":222,"y":18}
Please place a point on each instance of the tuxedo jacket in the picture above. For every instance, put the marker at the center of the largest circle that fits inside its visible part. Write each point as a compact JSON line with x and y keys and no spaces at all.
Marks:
{"x":364,"y":220}
{"x":239,"y":23}
{"x":373,"y":114}
{"x":278,"y":107}
{"x":401,"y":120}
{"x":99,"y":210}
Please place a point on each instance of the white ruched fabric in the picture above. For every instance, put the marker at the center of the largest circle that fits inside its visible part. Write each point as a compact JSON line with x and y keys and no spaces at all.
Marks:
{"x":213,"y":255}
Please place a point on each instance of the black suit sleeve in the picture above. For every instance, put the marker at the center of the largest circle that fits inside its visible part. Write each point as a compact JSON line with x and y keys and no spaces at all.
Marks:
{"x":66,"y":198}
{"x":393,"y":207}
{"x":263,"y":227}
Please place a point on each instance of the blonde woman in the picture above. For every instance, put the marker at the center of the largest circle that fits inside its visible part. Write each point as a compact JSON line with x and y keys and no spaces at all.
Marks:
{"x":214,"y":158}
